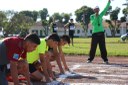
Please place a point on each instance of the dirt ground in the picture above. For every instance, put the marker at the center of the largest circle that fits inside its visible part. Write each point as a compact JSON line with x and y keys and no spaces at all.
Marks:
{"x":95,"y":73}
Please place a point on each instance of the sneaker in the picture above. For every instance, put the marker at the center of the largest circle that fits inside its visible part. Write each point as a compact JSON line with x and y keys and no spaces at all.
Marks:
{"x":89,"y":61}
{"x":106,"y":62}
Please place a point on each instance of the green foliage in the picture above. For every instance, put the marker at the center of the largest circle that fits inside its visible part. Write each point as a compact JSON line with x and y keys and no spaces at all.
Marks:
{"x":109,"y":10}
{"x":3,"y":20}
{"x":17,"y":24}
{"x":66,"y":17}
{"x":125,"y":11}
{"x":114,"y":14}
{"x":57,"y":17}
{"x":62,"y":18}
{"x":82,"y":47}
{"x":43,"y":14}
{"x":84,"y":10}
{"x":26,"y":13}
{"x":123,"y":19}
{"x":35,"y":15}
{"x":32,"y":14}
{"x":114,"y":24}
{"x":83,"y":16}
{"x":111,"y":26}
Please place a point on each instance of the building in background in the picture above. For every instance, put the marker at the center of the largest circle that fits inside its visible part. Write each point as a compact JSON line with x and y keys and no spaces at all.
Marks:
{"x":79,"y":32}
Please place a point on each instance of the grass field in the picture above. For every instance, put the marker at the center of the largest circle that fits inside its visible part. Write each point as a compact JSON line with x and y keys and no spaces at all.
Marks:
{"x":82,"y":47}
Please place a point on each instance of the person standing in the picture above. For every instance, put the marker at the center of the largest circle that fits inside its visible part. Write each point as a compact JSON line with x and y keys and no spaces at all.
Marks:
{"x":71,"y":27}
{"x":53,"y":27}
{"x":42,"y":54}
{"x":98,"y":36}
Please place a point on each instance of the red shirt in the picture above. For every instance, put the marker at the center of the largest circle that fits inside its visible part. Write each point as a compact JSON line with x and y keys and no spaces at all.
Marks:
{"x":15,"y":50}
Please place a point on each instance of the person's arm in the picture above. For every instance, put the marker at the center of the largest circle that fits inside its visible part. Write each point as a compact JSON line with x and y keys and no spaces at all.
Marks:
{"x":106,"y":8}
{"x":66,"y":25}
{"x":48,"y":54}
{"x":44,"y":66}
{"x":61,"y":54}
{"x":14,"y":72}
{"x":23,"y":68}
{"x":58,"y":60}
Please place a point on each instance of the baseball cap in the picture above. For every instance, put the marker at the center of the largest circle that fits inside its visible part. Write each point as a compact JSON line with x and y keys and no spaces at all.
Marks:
{"x":97,"y":7}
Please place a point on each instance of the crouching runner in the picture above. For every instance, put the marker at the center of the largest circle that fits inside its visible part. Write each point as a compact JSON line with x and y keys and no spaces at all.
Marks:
{"x":39,"y":64}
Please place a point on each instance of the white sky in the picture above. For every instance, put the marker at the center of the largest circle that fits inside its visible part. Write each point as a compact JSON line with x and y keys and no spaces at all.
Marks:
{"x":66,"y":6}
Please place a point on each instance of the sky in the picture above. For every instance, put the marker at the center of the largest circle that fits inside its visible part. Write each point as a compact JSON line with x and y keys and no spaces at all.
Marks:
{"x":66,"y":6}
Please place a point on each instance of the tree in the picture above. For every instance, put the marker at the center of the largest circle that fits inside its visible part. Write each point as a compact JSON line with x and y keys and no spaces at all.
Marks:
{"x":83,"y":16}
{"x":57,"y":17}
{"x":125,"y":18}
{"x":44,"y":14}
{"x":35,"y":15}
{"x":9,"y":14}
{"x":3,"y":19}
{"x":114,"y":19}
{"x":18,"y":24}
{"x":111,"y":26}
{"x":66,"y":17}
{"x":32,"y":14}
{"x":61,"y":18}
{"x":125,"y":10}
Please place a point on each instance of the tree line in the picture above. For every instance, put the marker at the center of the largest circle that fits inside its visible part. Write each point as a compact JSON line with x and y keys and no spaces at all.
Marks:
{"x":12,"y":22}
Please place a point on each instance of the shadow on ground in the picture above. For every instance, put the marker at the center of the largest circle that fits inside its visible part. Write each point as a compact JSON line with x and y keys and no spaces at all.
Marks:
{"x":62,"y":77}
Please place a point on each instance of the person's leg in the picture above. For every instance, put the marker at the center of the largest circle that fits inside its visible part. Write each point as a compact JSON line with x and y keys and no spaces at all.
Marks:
{"x":94,"y":43}
{"x":37,"y":75}
{"x":3,"y":80}
{"x":34,"y":72}
{"x":73,"y":37}
{"x":32,"y":68}
{"x":71,"y":34}
{"x":102,"y":46}
{"x":72,"y":40}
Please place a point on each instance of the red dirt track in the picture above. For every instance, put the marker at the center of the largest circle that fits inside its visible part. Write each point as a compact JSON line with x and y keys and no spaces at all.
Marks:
{"x":95,"y":73}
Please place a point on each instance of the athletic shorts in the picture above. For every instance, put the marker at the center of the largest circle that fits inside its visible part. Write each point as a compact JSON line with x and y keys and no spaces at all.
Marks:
{"x":32,"y":68}
{"x":3,"y":54}
{"x":71,"y":33}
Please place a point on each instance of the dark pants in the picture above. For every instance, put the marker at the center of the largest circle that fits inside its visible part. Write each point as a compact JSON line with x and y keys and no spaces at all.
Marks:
{"x":32,"y":68}
{"x":98,"y":38}
{"x":3,"y":80}
{"x":71,"y":35}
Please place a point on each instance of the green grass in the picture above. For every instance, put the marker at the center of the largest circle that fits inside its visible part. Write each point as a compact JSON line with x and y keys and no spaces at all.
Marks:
{"x":82,"y":47}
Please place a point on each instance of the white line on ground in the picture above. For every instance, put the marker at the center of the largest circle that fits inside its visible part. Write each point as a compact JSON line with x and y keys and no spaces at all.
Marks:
{"x":64,"y":76}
